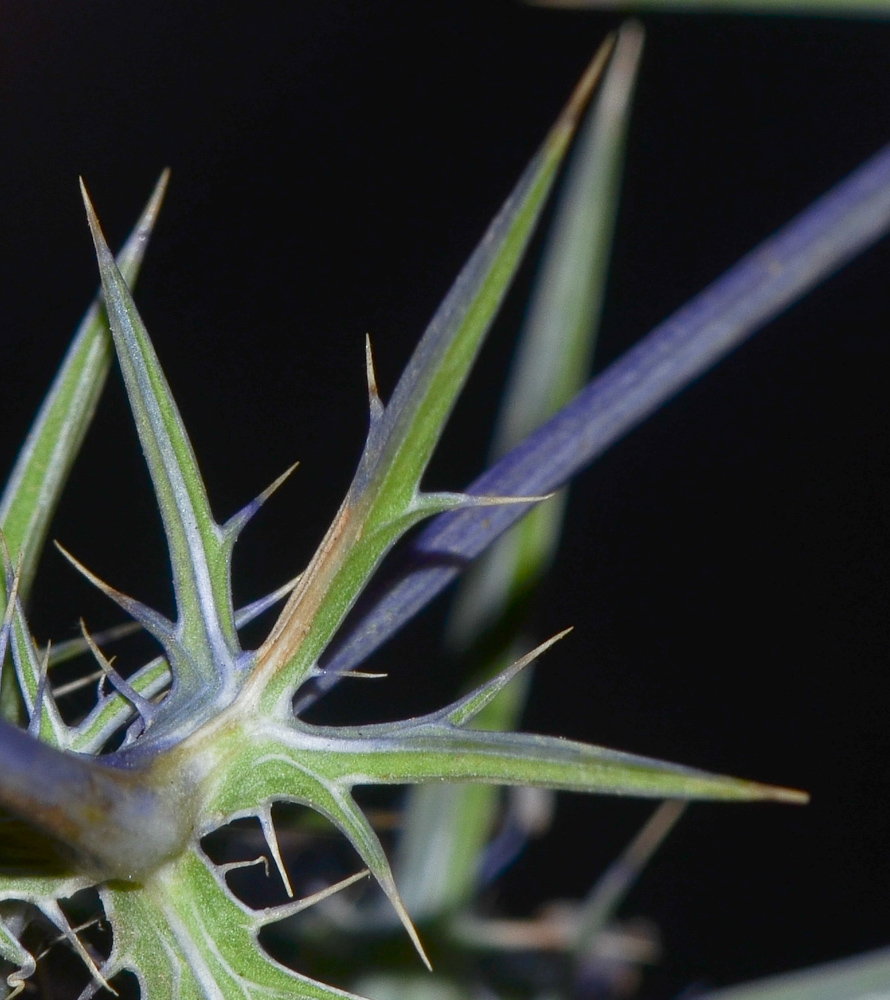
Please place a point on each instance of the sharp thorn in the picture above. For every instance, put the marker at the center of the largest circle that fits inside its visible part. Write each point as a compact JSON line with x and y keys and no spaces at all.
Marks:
{"x":236,"y":523}
{"x":272,"y":914}
{"x":374,"y":401}
{"x":271,"y":836}
{"x":142,"y":705}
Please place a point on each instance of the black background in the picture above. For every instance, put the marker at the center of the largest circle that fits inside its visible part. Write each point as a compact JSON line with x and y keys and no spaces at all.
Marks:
{"x":333,"y":165}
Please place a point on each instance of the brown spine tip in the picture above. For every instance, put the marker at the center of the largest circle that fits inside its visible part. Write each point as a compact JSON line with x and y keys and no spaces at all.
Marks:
{"x":790,"y":796}
{"x":581,"y":95}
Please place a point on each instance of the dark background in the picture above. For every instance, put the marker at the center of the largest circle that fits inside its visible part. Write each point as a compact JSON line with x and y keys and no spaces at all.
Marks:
{"x":333,"y":165}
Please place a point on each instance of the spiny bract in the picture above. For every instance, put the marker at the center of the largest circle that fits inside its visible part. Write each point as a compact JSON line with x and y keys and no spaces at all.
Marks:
{"x":207,"y":733}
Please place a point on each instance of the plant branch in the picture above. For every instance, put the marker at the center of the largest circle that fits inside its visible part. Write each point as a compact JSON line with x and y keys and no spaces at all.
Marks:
{"x":112,"y":822}
{"x":837,"y":227}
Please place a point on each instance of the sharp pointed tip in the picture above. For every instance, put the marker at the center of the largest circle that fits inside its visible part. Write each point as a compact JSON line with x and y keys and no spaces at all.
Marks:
{"x":87,"y":201}
{"x":236,"y":524}
{"x":61,"y":548}
{"x":423,"y":955}
{"x":157,"y":197}
{"x":273,"y":486}
{"x":271,"y":836}
{"x":583,"y":91}
{"x":756,"y":791}
{"x":373,"y":392}
{"x":407,"y":923}
{"x":790,"y":796}
{"x":540,"y":649}
{"x":93,"y":222}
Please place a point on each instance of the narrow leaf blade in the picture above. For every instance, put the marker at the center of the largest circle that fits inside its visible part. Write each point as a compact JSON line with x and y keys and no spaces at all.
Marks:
{"x":403,"y":441}
{"x":552,"y":363}
{"x":42,"y":467}
{"x":438,"y":753}
{"x":198,"y":548}
{"x":383,"y":500}
{"x":28,"y":665}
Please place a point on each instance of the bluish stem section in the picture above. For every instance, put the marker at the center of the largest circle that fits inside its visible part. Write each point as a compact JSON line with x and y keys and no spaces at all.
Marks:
{"x":834,"y":229}
{"x":112,"y":823}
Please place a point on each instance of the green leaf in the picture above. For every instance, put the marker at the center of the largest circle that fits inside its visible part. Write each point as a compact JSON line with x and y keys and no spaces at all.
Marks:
{"x":31,"y":667}
{"x":551,"y":365}
{"x":199,"y":549}
{"x":266,"y":768}
{"x":555,"y":350}
{"x":42,"y":467}
{"x":267,"y":761}
{"x":384,"y":499}
{"x":42,"y":893}
{"x":433,"y":748}
{"x":436,"y":752}
{"x":186,"y":938}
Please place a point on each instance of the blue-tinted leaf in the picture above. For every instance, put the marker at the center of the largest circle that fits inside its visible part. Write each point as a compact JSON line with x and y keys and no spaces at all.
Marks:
{"x":824,"y":237}
{"x":199,"y":549}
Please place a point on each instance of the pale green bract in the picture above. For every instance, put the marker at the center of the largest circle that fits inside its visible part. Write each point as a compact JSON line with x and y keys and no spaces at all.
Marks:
{"x":210,"y":731}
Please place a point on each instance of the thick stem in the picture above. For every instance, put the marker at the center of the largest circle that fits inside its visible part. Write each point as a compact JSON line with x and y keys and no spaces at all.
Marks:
{"x":116,"y":822}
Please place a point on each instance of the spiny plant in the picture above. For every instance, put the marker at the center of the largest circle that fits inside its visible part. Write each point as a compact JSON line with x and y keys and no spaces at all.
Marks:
{"x":121,"y":800}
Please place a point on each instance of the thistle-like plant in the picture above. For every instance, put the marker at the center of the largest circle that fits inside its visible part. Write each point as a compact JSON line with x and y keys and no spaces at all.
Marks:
{"x":210,"y":732}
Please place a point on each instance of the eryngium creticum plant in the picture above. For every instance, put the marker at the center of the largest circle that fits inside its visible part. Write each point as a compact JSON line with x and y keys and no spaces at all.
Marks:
{"x":207,"y":733}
